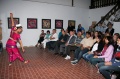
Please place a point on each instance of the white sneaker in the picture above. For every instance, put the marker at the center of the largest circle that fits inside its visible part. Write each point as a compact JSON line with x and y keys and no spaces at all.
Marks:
{"x":74,"y":61}
{"x":113,"y":77}
{"x":67,"y":57}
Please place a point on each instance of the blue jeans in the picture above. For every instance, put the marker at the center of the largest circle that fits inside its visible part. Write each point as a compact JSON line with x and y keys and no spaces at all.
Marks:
{"x":79,"y":53}
{"x":105,"y":70}
{"x":94,"y":61}
{"x":101,"y":64}
{"x":87,"y":56}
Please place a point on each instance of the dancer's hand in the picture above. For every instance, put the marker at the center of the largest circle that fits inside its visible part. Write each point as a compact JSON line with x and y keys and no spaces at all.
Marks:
{"x":23,"y":50}
{"x":11,"y":14}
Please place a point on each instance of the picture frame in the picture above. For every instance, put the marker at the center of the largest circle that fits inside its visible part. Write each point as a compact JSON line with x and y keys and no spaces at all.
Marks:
{"x":31,"y":23}
{"x":16,"y":21}
{"x":46,"y":23}
{"x":58,"y":24}
{"x":72,"y":23}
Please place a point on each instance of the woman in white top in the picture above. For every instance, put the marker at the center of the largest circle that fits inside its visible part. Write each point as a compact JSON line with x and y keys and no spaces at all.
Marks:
{"x":97,"y":46}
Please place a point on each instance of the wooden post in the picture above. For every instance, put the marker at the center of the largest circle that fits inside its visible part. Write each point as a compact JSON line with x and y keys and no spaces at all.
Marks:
{"x":72,"y":3}
{"x":0,"y":30}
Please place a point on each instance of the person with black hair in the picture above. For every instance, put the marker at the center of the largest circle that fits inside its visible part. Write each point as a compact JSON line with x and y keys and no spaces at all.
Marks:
{"x":86,"y":44}
{"x":46,"y":39}
{"x":70,"y":28}
{"x":95,"y":36}
{"x":106,"y":68}
{"x":106,"y":54}
{"x":41,"y":38}
{"x":111,"y":66}
{"x":62,"y":40}
{"x":115,"y":39}
{"x":110,"y":29}
{"x":11,"y":45}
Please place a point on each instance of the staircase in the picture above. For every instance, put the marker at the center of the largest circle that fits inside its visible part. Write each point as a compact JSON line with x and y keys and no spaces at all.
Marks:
{"x":112,"y":16}
{"x":102,"y":3}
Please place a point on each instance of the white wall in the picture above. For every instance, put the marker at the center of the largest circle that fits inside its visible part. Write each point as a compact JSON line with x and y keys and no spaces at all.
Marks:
{"x":26,"y":9}
{"x":95,"y":14}
{"x":116,"y":26}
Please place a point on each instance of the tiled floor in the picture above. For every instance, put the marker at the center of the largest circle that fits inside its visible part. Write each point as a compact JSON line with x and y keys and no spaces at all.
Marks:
{"x":45,"y":65}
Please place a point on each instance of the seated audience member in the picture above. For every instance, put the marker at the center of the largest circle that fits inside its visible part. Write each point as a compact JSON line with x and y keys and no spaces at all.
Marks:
{"x":97,"y":47}
{"x":41,"y":38}
{"x":75,"y":33}
{"x":53,"y":38}
{"x":66,"y":31}
{"x":92,"y":34}
{"x":110,"y":66}
{"x":107,"y":68}
{"x":86,"y":44}
{"x":80,"y":28}
{"x":118,"y":43}
{"x":106,"y":54}
{"x":71,"y":40}
{"x":91,"y":28}
{"x":62,"y":40}
{"x":110,"y":29}
{"x":104,"y":26}
{"x":95,"y":37}
{"x":70,"y":28}
{"x":115,"y":39}
{"x":99,"y":28}
{"x":107,"y":34}
{"x":60,"y":33}
{"x":73,"y":46}
{"x":46,"y":39}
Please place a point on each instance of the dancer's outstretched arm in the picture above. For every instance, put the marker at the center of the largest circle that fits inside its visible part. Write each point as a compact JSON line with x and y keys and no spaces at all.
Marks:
{"x":11,"y":17}
{"x":21,"y":45}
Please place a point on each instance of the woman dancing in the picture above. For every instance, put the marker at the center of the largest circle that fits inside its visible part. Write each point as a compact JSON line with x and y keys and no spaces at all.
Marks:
{"x":11,"y":45}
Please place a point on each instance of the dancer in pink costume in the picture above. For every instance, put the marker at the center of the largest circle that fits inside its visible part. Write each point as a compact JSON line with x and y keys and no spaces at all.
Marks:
{"x":11,"y":45}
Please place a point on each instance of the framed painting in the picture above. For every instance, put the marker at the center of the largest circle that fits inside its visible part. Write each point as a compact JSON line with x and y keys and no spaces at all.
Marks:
{"x":16,"y":21}
{"x":71,"y":23}
{"x":46,"y":23}
{"x":31,"y":23}
{"x":58,"y":24}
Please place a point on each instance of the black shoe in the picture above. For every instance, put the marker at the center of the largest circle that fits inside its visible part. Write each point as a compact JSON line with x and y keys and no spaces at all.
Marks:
{"x":61,"y":53}
{"x":64,"y":55}
{"x":55,"y":53}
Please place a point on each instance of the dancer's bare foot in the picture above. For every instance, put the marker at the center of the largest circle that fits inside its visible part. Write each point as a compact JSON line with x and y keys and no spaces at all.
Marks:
{"x":26,"y":61}
{"x":10,"y":64}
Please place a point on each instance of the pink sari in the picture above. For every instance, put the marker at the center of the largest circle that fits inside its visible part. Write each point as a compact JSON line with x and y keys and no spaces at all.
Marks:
{"x":11,"y":46}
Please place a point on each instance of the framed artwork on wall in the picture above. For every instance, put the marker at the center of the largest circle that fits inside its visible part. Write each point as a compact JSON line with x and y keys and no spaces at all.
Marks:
{"x":31,"y":23}
{"x":46,"y":23}
{"x":16,"y":21}
{"x":71,"y":23}
{"x":58,"y":24}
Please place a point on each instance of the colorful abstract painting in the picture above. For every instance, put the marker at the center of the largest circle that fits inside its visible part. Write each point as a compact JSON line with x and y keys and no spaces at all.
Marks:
{"x":71,"y":23}
{"x":31,"y":23}
{"x":58,"y":24}
{"x":46,"y":23}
